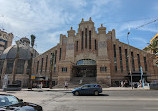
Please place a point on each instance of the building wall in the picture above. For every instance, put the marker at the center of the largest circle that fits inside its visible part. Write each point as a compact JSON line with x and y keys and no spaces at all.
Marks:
{"x":101,"y":50}
{"x":151,"y":69}
{"x":5,"y":40}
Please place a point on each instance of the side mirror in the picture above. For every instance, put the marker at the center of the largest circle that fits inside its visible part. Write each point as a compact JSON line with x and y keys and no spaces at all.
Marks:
{"x":21,"y":100}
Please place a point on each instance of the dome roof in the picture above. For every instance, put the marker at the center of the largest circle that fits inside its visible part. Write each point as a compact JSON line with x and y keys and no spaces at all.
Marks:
{"x":24,"y":52}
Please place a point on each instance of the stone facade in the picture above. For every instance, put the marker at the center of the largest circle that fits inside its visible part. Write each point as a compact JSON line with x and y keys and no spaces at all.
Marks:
{"x":5,"y":40}
{"x":110,"y":55}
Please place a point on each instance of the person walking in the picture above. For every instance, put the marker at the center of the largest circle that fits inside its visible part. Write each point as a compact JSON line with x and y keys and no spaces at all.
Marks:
{"x":122,"y":84}
{"x":66,"y":85}
{"x":41,"y":85}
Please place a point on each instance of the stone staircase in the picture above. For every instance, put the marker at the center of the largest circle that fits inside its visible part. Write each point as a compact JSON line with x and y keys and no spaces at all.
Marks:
{"x":85,"y":80}
{"x":76,"y":82}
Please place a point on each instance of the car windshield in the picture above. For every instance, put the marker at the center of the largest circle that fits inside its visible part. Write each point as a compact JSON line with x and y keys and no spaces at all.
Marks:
{"x":6,"y":100}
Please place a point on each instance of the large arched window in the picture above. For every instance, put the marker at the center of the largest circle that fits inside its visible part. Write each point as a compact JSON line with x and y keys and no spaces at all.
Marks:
{"x":20,"y":66}
{"x":9,"y":66}
{"x":86,"y":62}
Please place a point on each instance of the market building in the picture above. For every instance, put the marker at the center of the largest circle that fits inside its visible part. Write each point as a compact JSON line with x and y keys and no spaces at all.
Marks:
{"x":94,"y":57}
{"x":21,"y":52}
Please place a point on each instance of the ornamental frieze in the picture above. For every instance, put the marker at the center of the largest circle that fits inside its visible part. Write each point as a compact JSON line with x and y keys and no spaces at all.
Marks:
{"x":70,"y":47}
{"x":102,"y":44}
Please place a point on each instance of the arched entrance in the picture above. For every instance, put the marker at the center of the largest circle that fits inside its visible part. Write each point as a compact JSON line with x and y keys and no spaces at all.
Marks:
{"x":85,"y":68}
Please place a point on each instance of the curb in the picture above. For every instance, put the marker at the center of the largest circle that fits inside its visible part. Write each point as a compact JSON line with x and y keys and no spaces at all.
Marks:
{"x":61,"y":89}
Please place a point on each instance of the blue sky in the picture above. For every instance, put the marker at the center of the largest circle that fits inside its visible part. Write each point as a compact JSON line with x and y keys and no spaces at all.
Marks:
{"x":47,"y":19}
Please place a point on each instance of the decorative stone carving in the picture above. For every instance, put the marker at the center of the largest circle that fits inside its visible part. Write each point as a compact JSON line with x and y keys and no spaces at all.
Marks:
{"x":70,"y":47}
{"x":102,"y":44}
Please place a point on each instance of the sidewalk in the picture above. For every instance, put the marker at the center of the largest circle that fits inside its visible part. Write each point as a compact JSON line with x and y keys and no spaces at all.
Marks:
{"x":70,"y":89}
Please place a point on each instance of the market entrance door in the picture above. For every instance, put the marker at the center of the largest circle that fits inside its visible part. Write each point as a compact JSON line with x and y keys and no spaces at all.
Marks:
{"x":84,"y":71}
{"x":85,"y":68}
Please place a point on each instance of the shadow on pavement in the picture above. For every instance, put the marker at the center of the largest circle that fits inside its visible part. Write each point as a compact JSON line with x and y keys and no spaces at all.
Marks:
{"x":88,"y":95}
{"x":67,"y":92}
{"x":10,"y":92}
{"x":103,"y":95}
{"x":94,"y":95}
{"x":98,"y":95}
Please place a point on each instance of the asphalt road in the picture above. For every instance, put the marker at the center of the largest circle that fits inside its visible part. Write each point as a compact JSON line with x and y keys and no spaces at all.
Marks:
{"x":136,"y":100}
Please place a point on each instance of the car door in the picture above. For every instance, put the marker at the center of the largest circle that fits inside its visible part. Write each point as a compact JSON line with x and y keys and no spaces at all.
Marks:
{"x":91,"y":89}
{"x":84,"y":89}
{"x":88,"y":89}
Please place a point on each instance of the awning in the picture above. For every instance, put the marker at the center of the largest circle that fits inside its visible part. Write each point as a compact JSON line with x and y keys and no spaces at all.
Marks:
{"x":84,"y":66}
{"x":138,"y":75}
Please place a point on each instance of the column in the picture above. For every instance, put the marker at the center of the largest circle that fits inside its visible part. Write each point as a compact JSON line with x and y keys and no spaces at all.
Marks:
{"x":14,"y":70}
{"x":25,"y":67}
{"x":3,"y":71}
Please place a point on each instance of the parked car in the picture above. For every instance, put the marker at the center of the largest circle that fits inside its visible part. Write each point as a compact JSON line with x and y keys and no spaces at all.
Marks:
{"x":12,"y":87}
{"x":88,"y":89}
{"x":12,"y":103}
{"x":154,"y":86}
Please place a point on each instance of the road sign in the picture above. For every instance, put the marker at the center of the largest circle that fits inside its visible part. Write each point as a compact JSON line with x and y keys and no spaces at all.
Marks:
{"x":32,"y":76}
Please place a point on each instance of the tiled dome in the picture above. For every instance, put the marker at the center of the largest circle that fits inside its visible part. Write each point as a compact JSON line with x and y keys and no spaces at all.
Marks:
{"x":24,"y":52}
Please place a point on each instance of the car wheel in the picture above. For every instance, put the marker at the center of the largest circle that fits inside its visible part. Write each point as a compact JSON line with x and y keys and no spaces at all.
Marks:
{"x":76,"y":93}
{"x":96,"y":93}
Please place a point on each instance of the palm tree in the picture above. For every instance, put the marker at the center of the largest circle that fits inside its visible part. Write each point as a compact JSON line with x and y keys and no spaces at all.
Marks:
{"x":153,"y":47}
{"x":32,"y":40}
{"x":30,"y":73}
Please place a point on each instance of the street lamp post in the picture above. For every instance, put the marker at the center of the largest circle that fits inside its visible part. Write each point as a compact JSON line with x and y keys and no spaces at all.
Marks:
{"x":129,"y":61}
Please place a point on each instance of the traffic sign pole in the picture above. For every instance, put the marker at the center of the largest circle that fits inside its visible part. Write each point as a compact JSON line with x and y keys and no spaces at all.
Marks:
{"x":141,"y":69}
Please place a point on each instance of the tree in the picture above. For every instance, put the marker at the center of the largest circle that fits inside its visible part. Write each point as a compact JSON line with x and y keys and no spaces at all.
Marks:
{"x":153,"y":47}
{"x":32,"y":40}
{"x":33,"y":37}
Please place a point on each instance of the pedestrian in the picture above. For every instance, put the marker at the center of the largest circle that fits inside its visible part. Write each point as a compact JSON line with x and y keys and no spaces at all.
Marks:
{"x":80,"y":81}
{"x":66,"y":85}
{"x":140,"y":83}
{"x":122,"y":84}
{"x":41,"y":85}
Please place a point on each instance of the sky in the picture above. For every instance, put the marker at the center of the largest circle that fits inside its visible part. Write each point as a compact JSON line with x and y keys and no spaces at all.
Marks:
{"x":47,"y":19}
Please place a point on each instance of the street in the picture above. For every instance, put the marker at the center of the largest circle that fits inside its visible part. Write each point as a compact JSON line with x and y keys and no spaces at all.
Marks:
{"x":116,"y":100}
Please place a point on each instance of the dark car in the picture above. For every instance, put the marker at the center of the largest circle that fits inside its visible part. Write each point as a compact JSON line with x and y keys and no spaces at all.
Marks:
{"x":12,"y":103}
{"x":12,"y":87}
{"x":88,"y":89}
